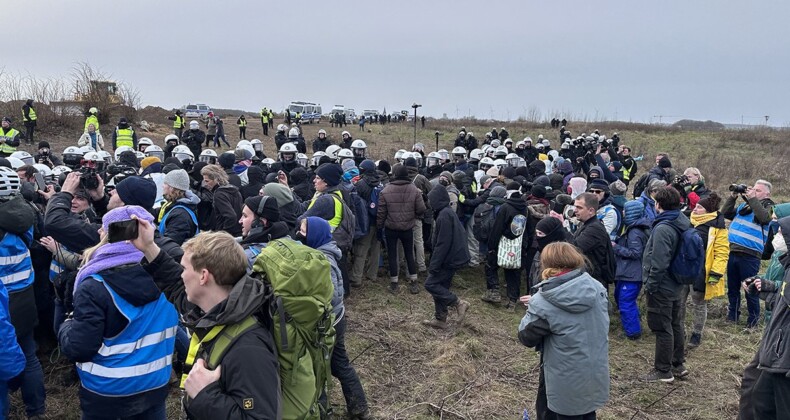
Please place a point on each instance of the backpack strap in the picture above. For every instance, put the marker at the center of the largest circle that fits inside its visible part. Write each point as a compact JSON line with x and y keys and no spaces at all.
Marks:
{"x":189,"y":212}
{"x":227,"y":338}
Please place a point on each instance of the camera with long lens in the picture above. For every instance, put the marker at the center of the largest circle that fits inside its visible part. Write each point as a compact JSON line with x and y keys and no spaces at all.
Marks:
{"x":88,"y":179}
{"x":738,"y":188}
{"x":682,"y":180}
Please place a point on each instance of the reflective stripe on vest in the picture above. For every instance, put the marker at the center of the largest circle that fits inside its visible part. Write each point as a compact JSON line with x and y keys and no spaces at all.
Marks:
{"x":179,"y":122}
{"x":163,"y":219}
{"x":31,"y":115}
{"x":138,"y":359}
{"x":746,"y":233}
{"x":334,"y":222}
{"x":55,"y":268}
{"x":627,"y":173}
{"x":91,"y":120}
{"x":6,"y":137}
{"x":16,"y":267}
{"x":242,"y":123}
{"x":124,"y":137}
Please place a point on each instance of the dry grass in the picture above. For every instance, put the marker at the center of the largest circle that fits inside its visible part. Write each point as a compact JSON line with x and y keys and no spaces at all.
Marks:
{"x":479,"y":370}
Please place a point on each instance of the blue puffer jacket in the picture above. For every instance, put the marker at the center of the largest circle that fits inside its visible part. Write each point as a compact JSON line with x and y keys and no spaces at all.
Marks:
{"x":12,"y":360}
{"x":628,"y":250}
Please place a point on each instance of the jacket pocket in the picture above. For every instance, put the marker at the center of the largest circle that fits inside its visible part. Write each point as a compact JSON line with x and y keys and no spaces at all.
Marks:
{"x":779,"y":346}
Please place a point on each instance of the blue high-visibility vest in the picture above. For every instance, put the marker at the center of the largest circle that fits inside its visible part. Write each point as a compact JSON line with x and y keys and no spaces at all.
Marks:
{"x":746,"y":233}
{"x":16,"y":268}
{"x":139,"y":358}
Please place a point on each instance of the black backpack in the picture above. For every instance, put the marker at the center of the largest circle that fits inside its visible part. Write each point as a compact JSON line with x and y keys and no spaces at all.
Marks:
{"x":641,"y":185}
{"x":484,"y":216}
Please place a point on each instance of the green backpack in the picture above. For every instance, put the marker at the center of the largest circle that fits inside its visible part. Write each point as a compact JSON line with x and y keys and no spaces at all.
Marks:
{"x":303,"y":323}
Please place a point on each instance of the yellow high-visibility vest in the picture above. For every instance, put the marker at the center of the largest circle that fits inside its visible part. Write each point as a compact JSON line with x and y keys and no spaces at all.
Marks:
{"x":179,"y":122}
{"x":31,"y":115}
{"x":335,"y":221}
{"x":7,"y":136}
{"x":91,"y":120}
{"x":124,"y":137}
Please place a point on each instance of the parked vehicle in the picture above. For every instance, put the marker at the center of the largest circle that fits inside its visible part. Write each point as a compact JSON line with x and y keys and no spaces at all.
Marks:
{"x":196,"y":111}
{"x":311,"y":112}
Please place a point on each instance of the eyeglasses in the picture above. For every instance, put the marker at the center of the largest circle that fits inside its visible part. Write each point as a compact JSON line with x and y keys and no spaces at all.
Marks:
{"x":596,"y":191}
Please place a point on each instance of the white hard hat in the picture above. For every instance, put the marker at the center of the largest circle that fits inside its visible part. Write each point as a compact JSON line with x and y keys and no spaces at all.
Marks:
{"x":193,"y":125}
{"x":243,"y":143}
{"x":293,"y":133}
{"x":288,"y":148}
{"x":120,"y":150}
{"x":171,"y":137}
{"x":93,"y":157}
{"x":23,"y":156}
{"x":144,"y":140}
{"x":156,"y":151}
{"x":332,"y":150}
{"x":459,"y":151}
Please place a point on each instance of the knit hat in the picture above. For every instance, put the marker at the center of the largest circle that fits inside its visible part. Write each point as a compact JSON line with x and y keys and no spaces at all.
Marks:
{"x":170,"y":167}
{"x":664,"y":162}
{"x":43,"y":144}
{"x":618,"y":187}
{"x":125,"y":213}
{"x":384,"y":166}
{"x":616,"y":165}
{"x":711,"y":202}
{"x":348,"y":164}
{"x":411,"y":162}
{"x":137,"y":191}
{"x":483,"y":180}
{"x":148,"y":161}
{"x":280,"y":192}
{"x":509,"y":172}
{"x":367,"y":166}
{"x":400,"y":172}
{"x":226,"y":160}
{"x":331,"y":173}
{"x":270,"y":210}
{"x":447,"y":176}
{"x":633,"y":211}
{"x":498,"y":191}
{"x":5,"y":163}
{"x":172,"y":160}
{"x":538,"y":191}
{"x":598,"y":184}
{"x":178,"y":179}
{"x":782,"y":210}
{"x":493,"y":171}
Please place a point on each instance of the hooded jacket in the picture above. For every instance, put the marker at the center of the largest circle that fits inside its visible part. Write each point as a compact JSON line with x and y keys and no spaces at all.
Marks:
{"x":289,"y":207}
{"x":320,"y":238}
{"x":226,"y":209}
{"x":249,"y":358}
{"x":628,"y":249}
{"x":400,"y":204}
{"x":514,"y":205}
{"x":255,"y":181}
{"x":567,"y":321}
{"x":179,"y":225}
{"x":594,"y":242}
{"x":774,"y":353}
{"x":659,"y":252}
{"x":300,"y":185}
{"x":448,"y":236}
{"x":713,"y":231}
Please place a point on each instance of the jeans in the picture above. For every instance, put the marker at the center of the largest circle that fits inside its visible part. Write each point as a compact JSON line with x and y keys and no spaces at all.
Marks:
{"x":59,"y":316}
{"x":157,"y":412}
{"x":626,"y":294}
{"x":698,"y":304}
{"x":366,"y":255}
{"x":739,"y":268}
{"x":356,"y":403}
{"x":770,"y":396}
{"x":438,"y":285}
{"x":663,"y":318}
{"x":32,"y":378}
{"x":406,"y":238}
{"x":472,"y":244}
{"x":419,"y":246}
{"x":219,"y":137}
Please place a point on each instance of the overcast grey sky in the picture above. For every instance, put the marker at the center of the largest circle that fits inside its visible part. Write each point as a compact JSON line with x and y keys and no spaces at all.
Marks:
{"x":623,"y":59}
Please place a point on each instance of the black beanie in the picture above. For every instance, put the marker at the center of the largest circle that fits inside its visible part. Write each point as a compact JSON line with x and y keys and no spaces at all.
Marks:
{"x":538,"y":191}
{"x":664,"y":162}
{"x":226,"y":160}
{"x":331,"y":173}
{"x":42,"y":144}
{"x":269,"y":211}
{"x":137,"y":191}
{"x":385,"y":167}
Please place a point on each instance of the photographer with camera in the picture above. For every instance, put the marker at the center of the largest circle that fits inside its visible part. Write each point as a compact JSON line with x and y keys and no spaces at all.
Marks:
{"x":45,"y":155}
{"x":67,"y":218}
{"x":748,"y":234}
{"x":194,"y":138}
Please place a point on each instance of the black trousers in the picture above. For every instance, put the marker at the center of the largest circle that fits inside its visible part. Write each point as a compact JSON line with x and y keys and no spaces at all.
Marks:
{"x":406,"y":237}
{"x":356,"y":402}
{"x":543,"y":412}
{"x":771,"y":396}
{"x":438,"y":285}
{"x":29,"y":130}
{"x":242,"y":133}
{"x":265,"y":129}
{"x":663,"y":318}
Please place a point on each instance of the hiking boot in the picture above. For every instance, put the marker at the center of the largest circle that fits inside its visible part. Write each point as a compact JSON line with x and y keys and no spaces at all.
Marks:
{"x":492,"y":296}
{"x":462,"y":306}
{"x":360,"y":415}
{"x":414,"y":286}
{"x":680,"y":371}
{"x":436,"y":323}
{"x":511,"y":306}
{"x":695,"y":340}
{"x":656,"y":375}
{"x":634,"y":337}
{"x":393,"y":287}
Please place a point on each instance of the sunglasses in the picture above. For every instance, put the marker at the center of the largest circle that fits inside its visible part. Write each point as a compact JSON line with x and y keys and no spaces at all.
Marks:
{"x":596,"y":191}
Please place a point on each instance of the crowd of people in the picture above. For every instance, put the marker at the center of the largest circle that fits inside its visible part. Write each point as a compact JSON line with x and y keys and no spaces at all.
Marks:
{"x":230,"y":269}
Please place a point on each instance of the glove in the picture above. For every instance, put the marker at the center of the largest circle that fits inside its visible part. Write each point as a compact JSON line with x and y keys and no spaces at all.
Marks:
{"x":713,"y":280}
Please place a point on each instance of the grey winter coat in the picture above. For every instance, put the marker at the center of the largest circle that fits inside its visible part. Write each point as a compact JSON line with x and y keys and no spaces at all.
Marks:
{"x":568,"y":321}
{"x":333,"y":254}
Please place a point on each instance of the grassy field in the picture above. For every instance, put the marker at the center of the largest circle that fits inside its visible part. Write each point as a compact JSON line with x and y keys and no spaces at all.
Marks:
{"x":479,"y":370}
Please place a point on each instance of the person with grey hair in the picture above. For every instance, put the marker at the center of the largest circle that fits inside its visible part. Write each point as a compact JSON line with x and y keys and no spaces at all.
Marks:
{"x":748,"y":235}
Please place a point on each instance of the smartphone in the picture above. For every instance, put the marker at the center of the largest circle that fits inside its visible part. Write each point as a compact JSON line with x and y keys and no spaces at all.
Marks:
{"x":122,"y":231}
{"x":42,"y":185}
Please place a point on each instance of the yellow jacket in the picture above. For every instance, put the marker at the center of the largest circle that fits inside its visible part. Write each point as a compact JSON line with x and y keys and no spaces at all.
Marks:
{"x":716,"y":254}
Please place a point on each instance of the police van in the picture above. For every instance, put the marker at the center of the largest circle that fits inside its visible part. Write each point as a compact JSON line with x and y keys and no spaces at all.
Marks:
{"x":311,"y":112}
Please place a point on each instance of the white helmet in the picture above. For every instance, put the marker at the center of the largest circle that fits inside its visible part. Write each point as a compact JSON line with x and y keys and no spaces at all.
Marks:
{"x":157,"y":152}
{"x":314,"y":161}
{"x":93,"y":157}
{"x":257,"y":145}
{"x":512,"y":160}
{"x":145,"y":141}
{"x":287,"y":148}
{"x":486,"y":163}
{"x":60,"y":170}
{"x":9,"y":182}
{"x":182,"y":153}
{"x":399,"y":155}
{"x":540,"y":136}
{"x":345,"y":154}
{"x":359,"y":148}
{"x":267,"y":163}
{"x":24,"y":157}
{"x":344,"y":134}
{"x":17,"y":163}
{"x":281,"y":127}
{"x":140,"y":156}
{"x":301,"y":159}
{"x":170,"y":137}
{"x":433,"y":159}
{"x":500,"y":163}
{"x":208,"y":156}
{"x":443,"y":155}
{"x":44,"y":170}
{"x":93,"y":110}
{"x":322,"y":131}
{"x":194,"y":125}
{"x":527,"y":140}
{"x":475,"y":155}
{"x":243,"y":143}
{"x":495,"y":143}
{"x":500,"y":152}
{"x":508,"y":140}
{"x":105,"y":155}
{"x":118,"y":151}
{"x":520,"y":143}
{"x":546,"y":142}
{"x":86,"y":149}
{"x":248,"y":148}
{"x":293,"y":133}
{"x":418,"y":147}
{"x":331,"y":151}
{"x":459,"y":152}
{"x":521,"y":162}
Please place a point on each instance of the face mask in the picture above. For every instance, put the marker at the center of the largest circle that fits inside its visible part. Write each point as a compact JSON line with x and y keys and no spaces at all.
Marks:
{"x":301,"y":238}
{"x":779,"y":243}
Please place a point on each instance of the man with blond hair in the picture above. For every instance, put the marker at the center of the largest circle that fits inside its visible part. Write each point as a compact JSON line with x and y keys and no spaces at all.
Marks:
{"x":232,"y":370}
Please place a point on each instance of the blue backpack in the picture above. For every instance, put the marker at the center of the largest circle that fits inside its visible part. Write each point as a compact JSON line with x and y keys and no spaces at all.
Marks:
{"x":373,"y":206}
{"x":689,"y":259}
{"x":359,"y":208}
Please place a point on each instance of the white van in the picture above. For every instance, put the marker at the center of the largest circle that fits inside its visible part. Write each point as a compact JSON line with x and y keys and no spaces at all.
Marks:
{"x":311,"y":112}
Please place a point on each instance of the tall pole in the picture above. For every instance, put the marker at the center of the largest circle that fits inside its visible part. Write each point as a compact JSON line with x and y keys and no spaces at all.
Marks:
{"x":415,"y":105}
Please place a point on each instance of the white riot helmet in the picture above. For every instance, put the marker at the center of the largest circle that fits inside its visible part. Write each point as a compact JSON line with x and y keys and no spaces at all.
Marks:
{"x":508,"y":140}
{"x":72,"y":156}
{"x":93,"y":110}
{"x":267,"y":163}
{"x":140,"y":156}
{"x":17,"y":163}
{"x":120,"y":150}
{"x":418,"y":147}
{"x":512,"y":160}
{"x":495,"y":143}
{"x":475,"y":155}
{"x":289,"y":150}
{"x":257,"y":145}
{"x":60,"y":170}
{"x":183,"y":153}
{"x":359,"y":148}
{"x":93,"y":160}
{"x":399,"y":155}
{"x":9,"y":182}
{"x":293,"y":133}
{"x":143,"y":143}
{"x":459,"y":153}
{"x":433,"y":159}
{"x":485,"y":163}
{"x":171,"y":137}
{"x":243,"y":143}
{"x":24,"y":157}
{"x":527,"y":140}
{"x":546,"y":142}
{"x":520,"y":145}
{"x":331,"y":152}
{"x":322,"y":131}
{"x":500,"y":164}
{"x":345,"y":134}
{"x":414,"y":155}
{"x":444,"y":155}
{"x":316,"y":159}
{"x":107,"y":156}
{"x":87,"y":149}
{"x":157,"y":152}
{"x":193,"y":125}
{"x":540,"y":136}
{"x":208,"y":156}
{"x":345,"y":154}
{"x":44,"y":171}
{"x":500,"y":152}
{"x":301,"y":159}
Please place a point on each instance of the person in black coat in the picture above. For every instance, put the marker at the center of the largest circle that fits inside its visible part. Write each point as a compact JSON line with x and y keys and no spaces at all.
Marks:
{"x":592,"y":239}
{"x":177,"y":213}
{"x":194,"y":138}
{"x":301,"y":185}
{"x":321,"y":142}
{"x":514,"y":205}
{"x":255,"y":180}
{"x":226,"y":201}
